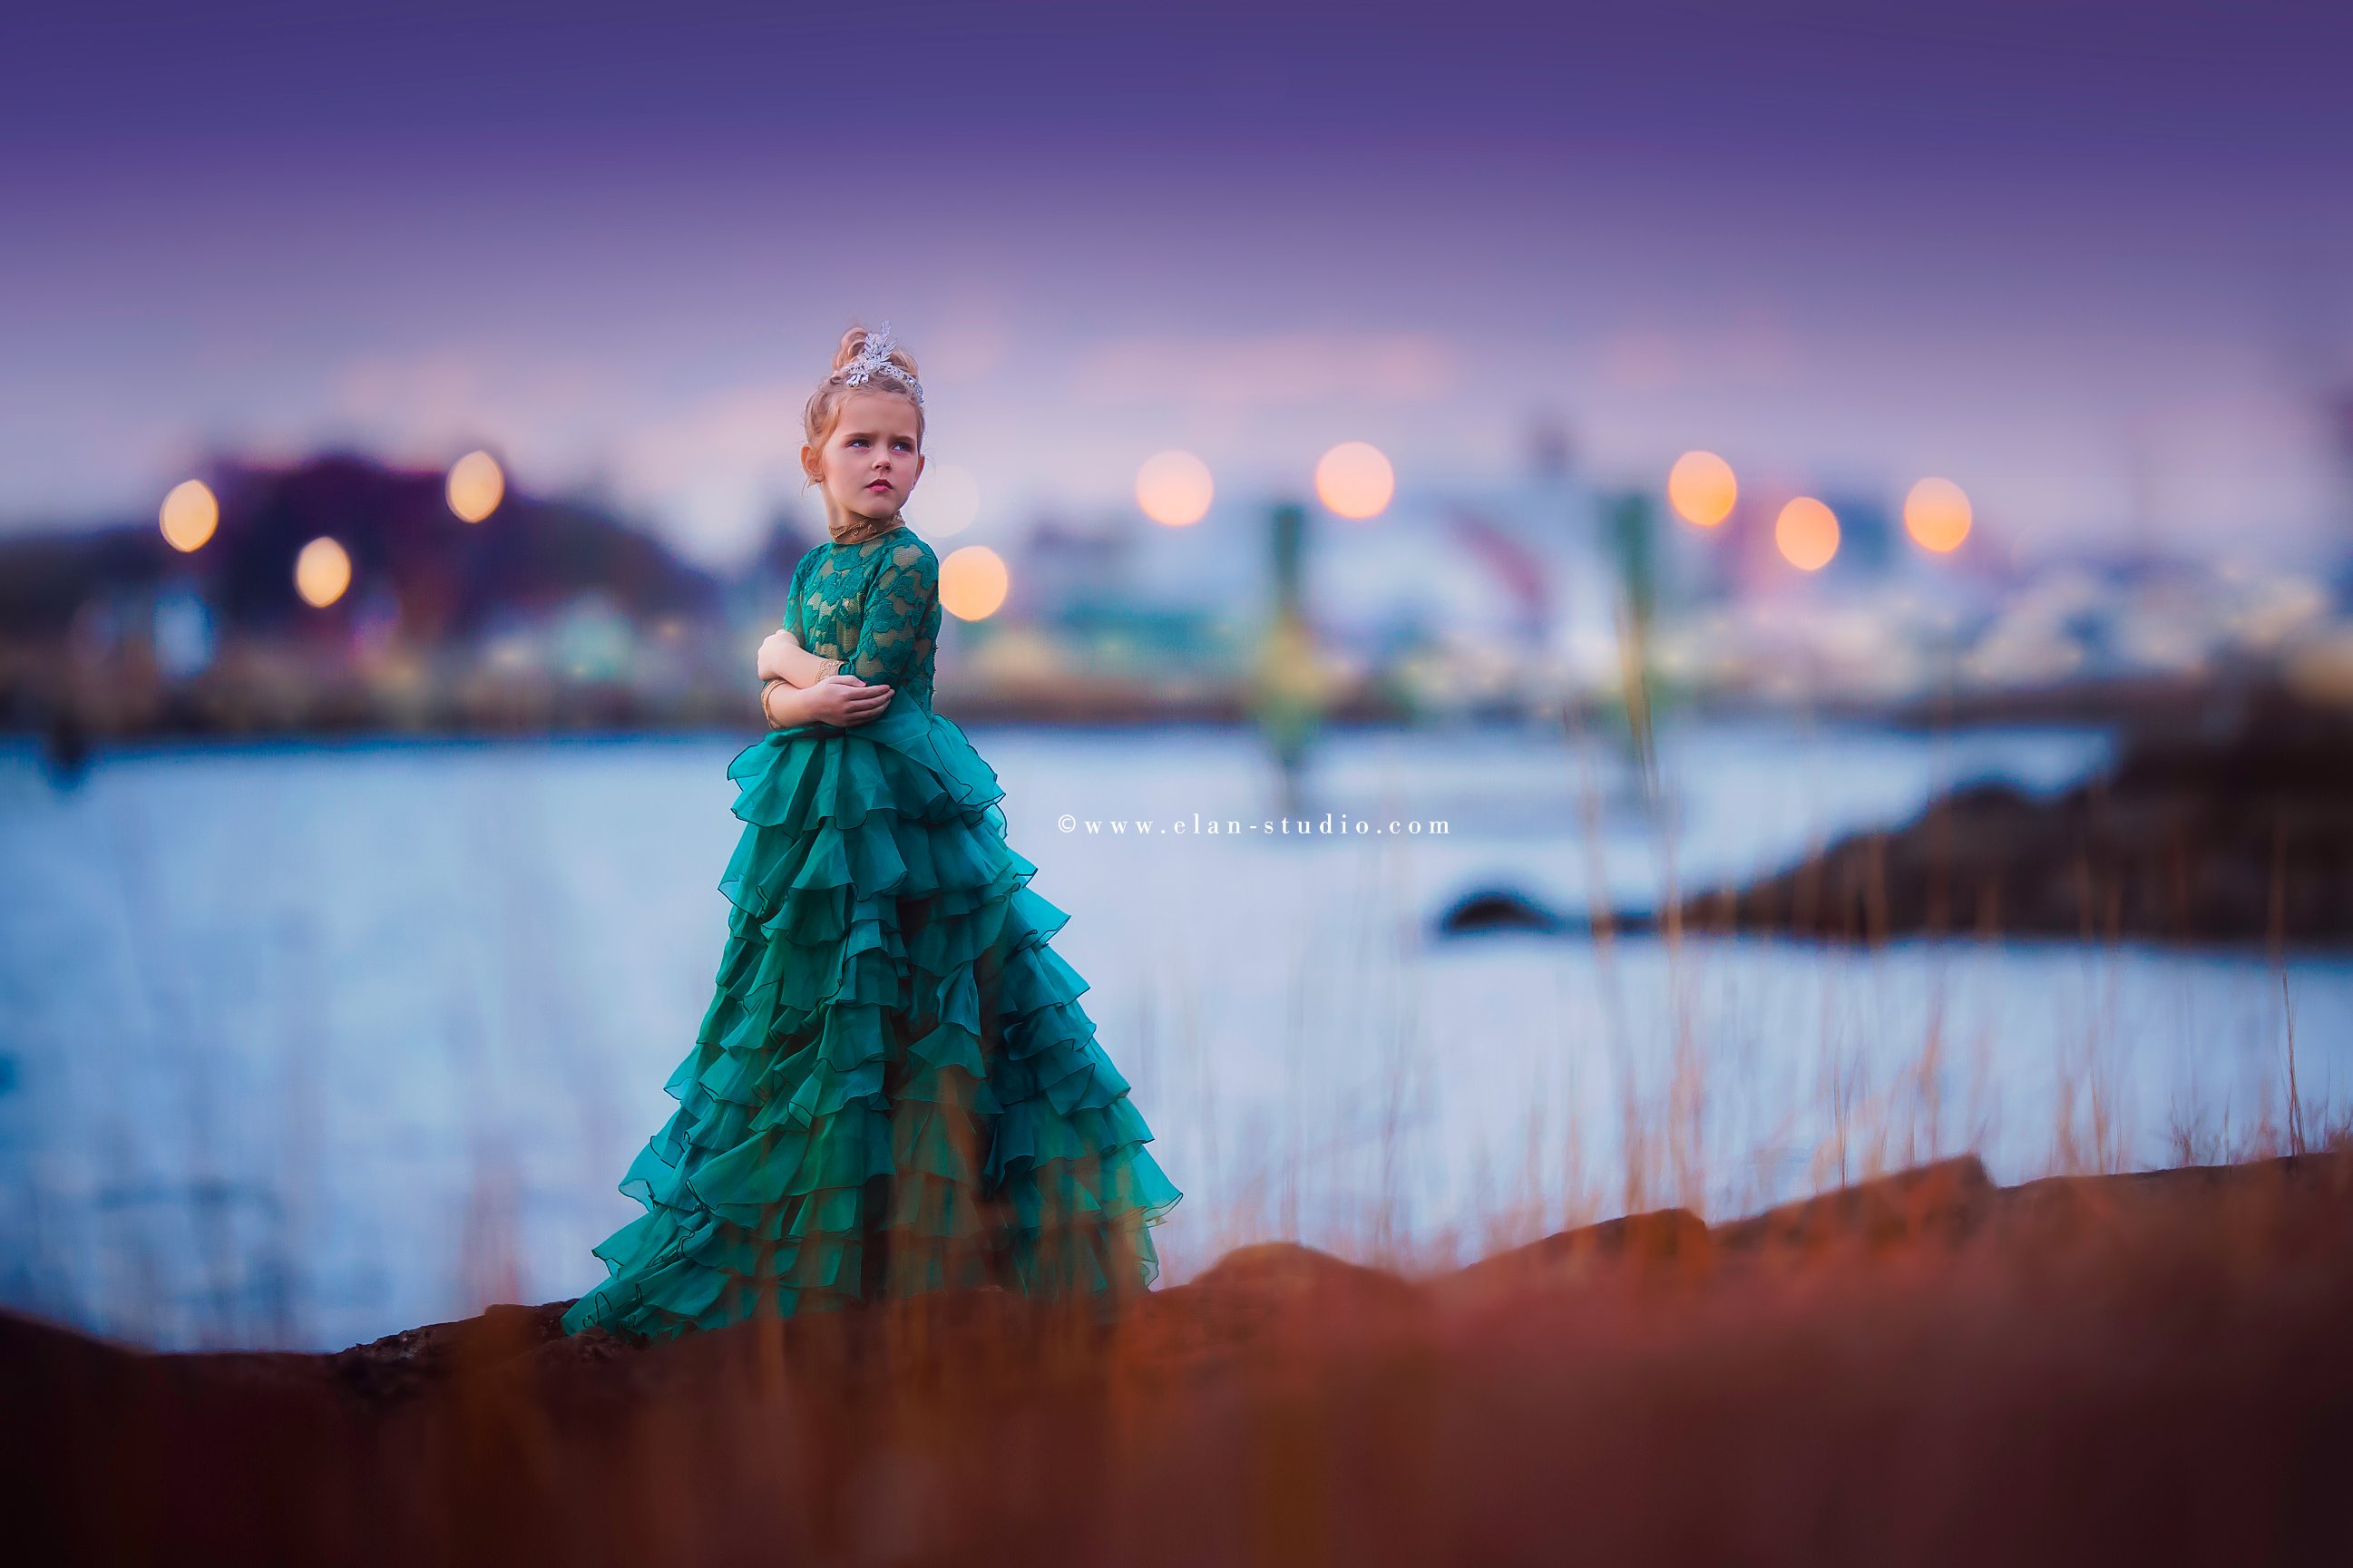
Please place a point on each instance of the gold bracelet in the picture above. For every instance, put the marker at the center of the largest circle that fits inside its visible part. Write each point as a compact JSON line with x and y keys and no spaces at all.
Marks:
{"x":768,"y":686}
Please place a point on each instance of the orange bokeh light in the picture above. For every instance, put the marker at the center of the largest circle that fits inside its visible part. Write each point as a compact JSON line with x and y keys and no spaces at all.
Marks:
{"x":1355,"y":480}
{"x":321,"y":572}
{"x":189,"y":515}
{"x":973,"y":583}
{"x":1807,"y":533}
{"x":1175,"y":488}
{"x":1937,"y":515}
{"x":476,"y":485}
{"x":1701,"y":488}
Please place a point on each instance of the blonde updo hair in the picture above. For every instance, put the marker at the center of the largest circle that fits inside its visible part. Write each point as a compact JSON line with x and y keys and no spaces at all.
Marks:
{"x":824,"y":409}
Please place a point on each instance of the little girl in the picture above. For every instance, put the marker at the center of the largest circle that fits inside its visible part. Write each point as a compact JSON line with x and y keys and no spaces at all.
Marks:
{"x":894,"y":1088}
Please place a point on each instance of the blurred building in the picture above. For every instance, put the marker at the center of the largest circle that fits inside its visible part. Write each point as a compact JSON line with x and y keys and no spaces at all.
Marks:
{"x":344,"y":593}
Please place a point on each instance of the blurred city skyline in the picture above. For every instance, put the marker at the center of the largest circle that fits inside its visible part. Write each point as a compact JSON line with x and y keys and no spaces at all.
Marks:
{"x":2083,"y":261}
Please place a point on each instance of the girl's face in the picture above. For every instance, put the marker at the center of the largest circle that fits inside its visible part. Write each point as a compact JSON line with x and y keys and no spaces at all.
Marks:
{"x":870,"y":463}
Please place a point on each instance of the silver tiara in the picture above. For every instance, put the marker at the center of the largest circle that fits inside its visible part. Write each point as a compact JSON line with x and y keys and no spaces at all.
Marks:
{"x":874,"y":359}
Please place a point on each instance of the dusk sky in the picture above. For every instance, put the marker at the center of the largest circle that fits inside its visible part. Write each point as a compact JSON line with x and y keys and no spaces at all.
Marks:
{"x":2094,"y":261}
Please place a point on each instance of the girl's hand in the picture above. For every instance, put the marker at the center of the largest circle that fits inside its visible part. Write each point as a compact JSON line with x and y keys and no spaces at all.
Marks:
{"x":842,"y":700}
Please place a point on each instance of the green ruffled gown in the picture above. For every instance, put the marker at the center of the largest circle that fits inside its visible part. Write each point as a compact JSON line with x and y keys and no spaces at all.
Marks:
{"x":895,"y":1090}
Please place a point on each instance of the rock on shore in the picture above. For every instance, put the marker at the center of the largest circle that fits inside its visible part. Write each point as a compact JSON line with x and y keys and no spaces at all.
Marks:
{"x":2242,"y":835}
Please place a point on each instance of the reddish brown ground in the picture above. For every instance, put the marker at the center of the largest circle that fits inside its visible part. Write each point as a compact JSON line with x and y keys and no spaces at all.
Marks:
{"x":2130,"y":1369}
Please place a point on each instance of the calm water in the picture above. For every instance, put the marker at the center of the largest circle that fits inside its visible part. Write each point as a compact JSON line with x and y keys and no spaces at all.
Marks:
{"x":303,"y":1045}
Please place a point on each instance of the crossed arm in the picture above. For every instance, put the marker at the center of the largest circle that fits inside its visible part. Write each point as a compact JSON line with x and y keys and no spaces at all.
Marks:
{"x":781,"y":658}
{"x":901,"y":618}
{"x":797,"y":687}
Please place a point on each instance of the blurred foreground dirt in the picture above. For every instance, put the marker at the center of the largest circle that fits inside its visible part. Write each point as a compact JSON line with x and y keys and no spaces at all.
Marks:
{"x":2151,"y":1368}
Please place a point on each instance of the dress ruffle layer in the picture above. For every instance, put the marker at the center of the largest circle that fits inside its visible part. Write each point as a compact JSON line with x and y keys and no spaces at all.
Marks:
{"x":895,"y":1089}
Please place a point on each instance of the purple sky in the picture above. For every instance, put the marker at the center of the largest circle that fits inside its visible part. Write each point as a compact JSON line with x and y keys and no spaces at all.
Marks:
{"x":2095,"y":261}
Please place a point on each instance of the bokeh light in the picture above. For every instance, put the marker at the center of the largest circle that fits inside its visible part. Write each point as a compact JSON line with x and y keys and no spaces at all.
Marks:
{"x":189,"y":515}
{"x":1701,"y":488}
{"x":476,"y":485}
{"x":1936,"y":515}
{"x":1355,"y":480}
{"x":946,"y":500}
{"x":321,"y":572}
{"x":973,"y":583}
{"x":1175,"y":488}
{"x":1807,"y":532}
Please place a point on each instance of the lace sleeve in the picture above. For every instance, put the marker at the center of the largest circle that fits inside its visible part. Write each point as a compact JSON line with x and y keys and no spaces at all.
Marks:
{"x":794,"y":622}
{"x":901,"y":618}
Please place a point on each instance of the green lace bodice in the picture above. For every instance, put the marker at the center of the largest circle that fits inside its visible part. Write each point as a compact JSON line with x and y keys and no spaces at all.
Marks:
{"x":875,"y":606}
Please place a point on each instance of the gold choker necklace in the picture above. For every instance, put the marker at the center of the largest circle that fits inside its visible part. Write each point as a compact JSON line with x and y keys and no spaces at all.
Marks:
{"x":863,"y":528}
